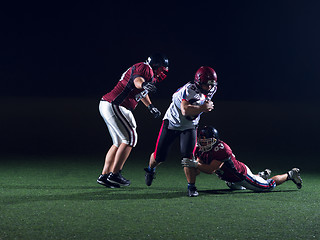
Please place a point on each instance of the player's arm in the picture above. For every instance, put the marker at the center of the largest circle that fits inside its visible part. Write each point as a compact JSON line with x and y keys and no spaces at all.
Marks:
{"x":206,"y":168}
{"x":209,"y":168}
{"x":140,"y":83}
{"x":146,"y":100}
{"x":188,"y":109}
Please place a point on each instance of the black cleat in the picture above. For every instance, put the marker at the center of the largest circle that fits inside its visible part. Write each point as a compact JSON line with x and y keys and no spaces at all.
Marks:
{"x":150,"y":175}
{"x":192,"y":192}
{"x":294,"y":175}
{"x":103,"y":180}
{"x":117,"y":178}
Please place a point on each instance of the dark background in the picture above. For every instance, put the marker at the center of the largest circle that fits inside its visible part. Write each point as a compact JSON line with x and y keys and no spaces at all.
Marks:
{"x":57,"y":60}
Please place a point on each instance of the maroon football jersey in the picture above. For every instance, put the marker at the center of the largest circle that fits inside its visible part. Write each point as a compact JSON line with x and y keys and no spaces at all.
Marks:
{"x":232,"y":169}
{"x":124,"y":92}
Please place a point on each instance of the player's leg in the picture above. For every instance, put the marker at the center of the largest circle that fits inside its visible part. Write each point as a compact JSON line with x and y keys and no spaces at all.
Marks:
{"x":109,"y":159}
{"x":110,"y":120}
{"x":257,"y":183}
{"x":163,"y":144}
{"x":107,"y":168}
{"x":121,"y":156}
{"x":279,"y":179}
{"x":124,"y":125}
{"x":152,"y":162}
{"x":293,"y":175}
{"x":187,"y":147}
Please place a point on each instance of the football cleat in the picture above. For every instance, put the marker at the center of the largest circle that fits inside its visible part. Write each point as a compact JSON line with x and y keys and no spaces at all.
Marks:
{"x":235,"y":186}
{"x":103,"y":180}
{"x":265,"y":174}
{"x":294,"y":175}
{"x":192,"y":192}
{"x":117,"y":178}
{"x":149,"y":176}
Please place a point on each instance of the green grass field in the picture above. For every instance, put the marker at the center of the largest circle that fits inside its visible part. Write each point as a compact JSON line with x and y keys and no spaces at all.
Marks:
{"x":58,"y":198}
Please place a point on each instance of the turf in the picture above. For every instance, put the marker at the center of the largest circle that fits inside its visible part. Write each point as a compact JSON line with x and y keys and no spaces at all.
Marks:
{"x":58,"y":198}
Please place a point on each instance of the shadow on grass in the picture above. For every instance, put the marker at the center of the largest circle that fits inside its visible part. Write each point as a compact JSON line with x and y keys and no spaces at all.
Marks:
{"x":40,"y":193}
{"x":229,"y":191}
{"x":85,"y":193}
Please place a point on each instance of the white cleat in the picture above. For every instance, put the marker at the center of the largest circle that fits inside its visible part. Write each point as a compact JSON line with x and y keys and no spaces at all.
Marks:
{"x":235,"y":186}
{"x":294,"y":175}
{"x":265,"y":174}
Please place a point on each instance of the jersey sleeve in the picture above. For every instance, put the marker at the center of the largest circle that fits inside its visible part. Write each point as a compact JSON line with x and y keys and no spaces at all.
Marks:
{"x":189,"y":93}
{"x":143,"y":70}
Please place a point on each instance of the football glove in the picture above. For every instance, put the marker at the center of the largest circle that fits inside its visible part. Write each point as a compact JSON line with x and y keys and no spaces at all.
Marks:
{"x":149,"y":87}
{"x":154,"y":111}
{"x":187,"y":162}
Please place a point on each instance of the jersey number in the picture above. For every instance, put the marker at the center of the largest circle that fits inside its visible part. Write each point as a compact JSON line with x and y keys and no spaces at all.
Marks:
{"x":218,"y":147}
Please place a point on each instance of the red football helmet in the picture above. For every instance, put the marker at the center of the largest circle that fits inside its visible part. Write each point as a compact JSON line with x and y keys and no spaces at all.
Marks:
{"x":205,"y":76}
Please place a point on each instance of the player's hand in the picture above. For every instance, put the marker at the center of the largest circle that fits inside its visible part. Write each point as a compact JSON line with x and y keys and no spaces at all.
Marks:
{"x":187,"y":162}
{"x":149,"y":87}
{"x":208,"y":106}
{"x":154,"y":111}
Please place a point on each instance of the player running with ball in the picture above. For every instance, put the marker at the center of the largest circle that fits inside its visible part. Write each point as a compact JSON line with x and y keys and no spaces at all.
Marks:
{"x":181,"y":119}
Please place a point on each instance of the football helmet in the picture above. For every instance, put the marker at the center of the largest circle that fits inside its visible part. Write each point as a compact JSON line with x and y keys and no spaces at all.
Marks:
{"x":160,"y":66}
{"x":205,"y":79}
{"x":207,"y":138}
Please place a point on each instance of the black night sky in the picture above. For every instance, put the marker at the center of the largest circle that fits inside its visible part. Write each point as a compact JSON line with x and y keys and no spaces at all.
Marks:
{"x":58,"y":59}
{"x":261,"y":50}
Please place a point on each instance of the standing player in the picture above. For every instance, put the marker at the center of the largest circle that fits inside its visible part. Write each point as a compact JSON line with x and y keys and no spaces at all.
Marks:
{"x":116,"y":109}
{"x":215,"y":156}
{"x":181,"y":119}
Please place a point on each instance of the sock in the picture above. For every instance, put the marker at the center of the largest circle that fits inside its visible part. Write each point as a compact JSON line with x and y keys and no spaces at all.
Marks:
{"x":106,"y":174}
{"x":151,"y":169}
{"x":190,"y":185}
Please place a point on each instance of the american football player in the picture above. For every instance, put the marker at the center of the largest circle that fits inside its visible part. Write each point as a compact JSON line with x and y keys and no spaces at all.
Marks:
{"x":181,"y":119}
{"x":116,"y":109}
{"x":215,"y":156}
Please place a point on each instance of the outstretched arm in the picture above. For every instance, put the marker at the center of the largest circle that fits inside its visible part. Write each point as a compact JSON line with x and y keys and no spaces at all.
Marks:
{"x":210,"y":168}
{"x":206,"y":168}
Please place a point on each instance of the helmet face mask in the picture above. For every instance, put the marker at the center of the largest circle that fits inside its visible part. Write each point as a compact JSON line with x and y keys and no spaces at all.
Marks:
{"x":205,"y":88}
{"x":207,"y":138}
{"x":206,"y":144}
{"x":160,"y":66}
{"x":160,"y":73}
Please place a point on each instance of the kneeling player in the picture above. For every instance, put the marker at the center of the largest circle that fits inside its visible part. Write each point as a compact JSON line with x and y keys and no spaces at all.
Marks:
{"x":215,"y":156}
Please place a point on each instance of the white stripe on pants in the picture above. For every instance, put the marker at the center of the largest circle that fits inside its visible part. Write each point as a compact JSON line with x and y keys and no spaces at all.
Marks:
{"x":120,"y":122}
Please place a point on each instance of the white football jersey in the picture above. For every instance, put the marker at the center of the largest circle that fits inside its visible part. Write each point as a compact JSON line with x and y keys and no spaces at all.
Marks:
{"x":190,"y":93}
